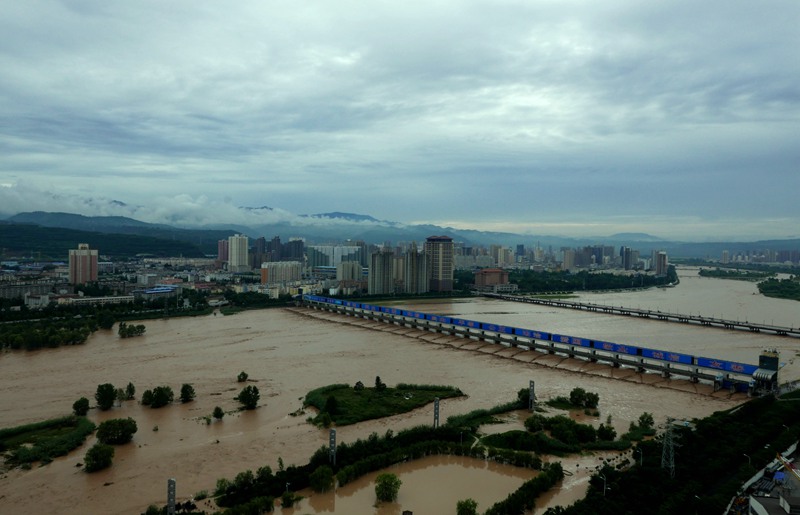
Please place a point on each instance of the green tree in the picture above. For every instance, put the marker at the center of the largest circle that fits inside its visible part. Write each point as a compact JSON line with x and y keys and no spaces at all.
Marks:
{"x":98,"y":457}
{"x":331,"y":405}
{"x":535,"y":423}
{"x":162,"y":395}
{"x":467,"y":507}
{"x":387,"y":486}
{"x":81,"y":407}
{"x":105,"y":320}
{"x":646,"y":420}
{"x":577,"y":397}
{"x":187,"y":393}
{"x":116,"y":431}
{"x":248,"y":397}
{"x":218,"y":413}
{"x":121,"y":396}
{"x":592,"y":400}
{"x":242,"y":377}
{"x":379,"y":385}
{"x":321,"y":480}
{"x":130,"y":391}
{"x":606,"y":433}
{"x":147,"y":398}
{"x":105,"y":396}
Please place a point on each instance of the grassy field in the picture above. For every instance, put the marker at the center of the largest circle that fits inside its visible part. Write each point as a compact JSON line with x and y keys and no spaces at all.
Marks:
{"x":351,"y":405}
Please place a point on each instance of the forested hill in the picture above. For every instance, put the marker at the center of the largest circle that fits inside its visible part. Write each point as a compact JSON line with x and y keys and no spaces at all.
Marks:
{"x":205,"y":239}
{"x":18,"y":240}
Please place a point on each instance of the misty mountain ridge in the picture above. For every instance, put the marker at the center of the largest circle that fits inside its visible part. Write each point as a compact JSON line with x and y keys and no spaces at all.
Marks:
{"x":338,"y":227}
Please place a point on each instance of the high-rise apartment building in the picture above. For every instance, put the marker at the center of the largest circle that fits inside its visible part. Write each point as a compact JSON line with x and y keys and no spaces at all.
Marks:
{"x":222,"y":250}
{"x":568,"y":262}
{"x":381,"y":273}
{"x":238,"y":254}
{"x":332,"y":255}
{"x":349,"y":271}
{"x":415,"y":278}
{"x":662,"y":263}
{"x":439,"y":256}
{"x":281,"y":272}
{"x":83,"y":264}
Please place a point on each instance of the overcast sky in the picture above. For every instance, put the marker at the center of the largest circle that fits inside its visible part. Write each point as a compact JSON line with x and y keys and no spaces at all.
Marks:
{"x":678,"y":118}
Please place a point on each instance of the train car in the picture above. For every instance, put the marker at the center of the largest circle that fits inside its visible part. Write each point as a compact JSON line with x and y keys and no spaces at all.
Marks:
{"x":560,"y":338}
{"x":673,"y":357}
{"x":583,"y":342}
{"x":716,"y":364}
{"x":496,"y":328}
{"x":437,"y":318}
{"x":626,"y":349}
{"x":466,"y":323}
{"x":605,"y":346}
{"x":740,"y":368}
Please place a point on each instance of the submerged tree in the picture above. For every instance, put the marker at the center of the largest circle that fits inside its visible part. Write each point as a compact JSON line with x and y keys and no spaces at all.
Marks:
{"x":387,"y":486}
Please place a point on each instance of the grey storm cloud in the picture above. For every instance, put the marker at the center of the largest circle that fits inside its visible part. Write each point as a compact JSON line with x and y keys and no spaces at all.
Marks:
{"x":532,"y":116}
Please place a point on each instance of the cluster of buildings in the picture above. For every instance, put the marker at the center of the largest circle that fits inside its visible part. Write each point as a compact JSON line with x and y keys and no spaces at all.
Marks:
{"x":786,"y":257}
{"x":276,"y":268}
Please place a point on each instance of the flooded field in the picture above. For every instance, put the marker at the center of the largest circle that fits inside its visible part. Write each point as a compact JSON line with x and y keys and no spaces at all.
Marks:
{"x":286,"y":353}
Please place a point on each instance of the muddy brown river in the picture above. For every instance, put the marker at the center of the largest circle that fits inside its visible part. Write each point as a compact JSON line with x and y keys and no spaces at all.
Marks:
{"x":286,"y":353}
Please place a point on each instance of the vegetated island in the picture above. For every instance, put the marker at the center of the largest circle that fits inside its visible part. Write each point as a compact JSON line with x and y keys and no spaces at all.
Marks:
{"x":781,"y":288}
{"x":735,"y":274}
{"x":342,"y":404}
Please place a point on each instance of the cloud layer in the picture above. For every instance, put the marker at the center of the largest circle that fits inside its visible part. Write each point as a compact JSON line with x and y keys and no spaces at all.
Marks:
{"x":569,"y":116}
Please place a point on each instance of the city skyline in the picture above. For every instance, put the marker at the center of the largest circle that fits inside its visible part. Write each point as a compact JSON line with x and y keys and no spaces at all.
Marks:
{"x":569,"y":119}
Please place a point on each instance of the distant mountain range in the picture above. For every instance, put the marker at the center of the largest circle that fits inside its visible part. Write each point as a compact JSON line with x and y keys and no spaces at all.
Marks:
{"x":340,"y":227}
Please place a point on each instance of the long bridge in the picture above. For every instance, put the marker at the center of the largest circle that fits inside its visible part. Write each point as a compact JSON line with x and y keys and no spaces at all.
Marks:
{"x":741,"y":377}
{"x":654,"y":315}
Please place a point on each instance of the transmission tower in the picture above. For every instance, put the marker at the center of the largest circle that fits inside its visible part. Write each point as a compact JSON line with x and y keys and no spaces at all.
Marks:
{"x":669,"y":444}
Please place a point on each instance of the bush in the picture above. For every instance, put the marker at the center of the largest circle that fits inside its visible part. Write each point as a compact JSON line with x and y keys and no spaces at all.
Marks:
{"x":605,"y":432}
{"x":187,"y":393}
{"x":147,"y":398}
{"x":386,"y":487}
{"x":248,"y":397}
{"x":105,"y":396}
{"x":242,"y":377}
{"x":218,"y":413}
{"x":646,"y":420}
{"x":321,"y":479}
{"x":535,"y":423}
{"x":98,"y":457}
{"x":162,"y":395}
{"x":116,"y":431}
{"x":467,"y":507}
{"x":130,"y":391}
{"x":81,"y":407}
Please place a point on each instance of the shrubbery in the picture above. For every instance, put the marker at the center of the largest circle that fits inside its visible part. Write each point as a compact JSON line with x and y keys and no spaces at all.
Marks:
{"x":116,"y":431}
{"x":98,"y":457}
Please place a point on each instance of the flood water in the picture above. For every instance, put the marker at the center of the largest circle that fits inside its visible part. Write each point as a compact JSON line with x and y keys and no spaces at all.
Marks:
{"x":291,"y":351}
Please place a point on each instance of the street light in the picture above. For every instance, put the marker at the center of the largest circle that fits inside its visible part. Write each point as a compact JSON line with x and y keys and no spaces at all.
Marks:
{"x":748,"y":459}
{"x":604,"y":484}
{"x":641,"y":456}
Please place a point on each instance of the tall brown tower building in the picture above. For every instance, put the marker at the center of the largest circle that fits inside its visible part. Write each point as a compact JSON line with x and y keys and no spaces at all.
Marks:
{"x":439,"y":257}
{"x":82,"y":264}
